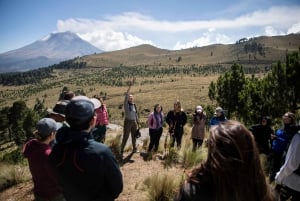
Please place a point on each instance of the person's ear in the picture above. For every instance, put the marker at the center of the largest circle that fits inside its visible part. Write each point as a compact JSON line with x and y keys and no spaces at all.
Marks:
{"x":93,"y":121}
{"x":52,"y":135}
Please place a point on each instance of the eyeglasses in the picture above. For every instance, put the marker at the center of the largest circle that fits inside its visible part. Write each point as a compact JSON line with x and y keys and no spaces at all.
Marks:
{"x":286,"y":115}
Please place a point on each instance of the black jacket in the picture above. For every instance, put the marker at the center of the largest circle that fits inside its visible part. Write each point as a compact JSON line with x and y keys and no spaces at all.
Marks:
{"x":262,"y":135}
{"x":87,"y":170}
{"x":178,"y":119}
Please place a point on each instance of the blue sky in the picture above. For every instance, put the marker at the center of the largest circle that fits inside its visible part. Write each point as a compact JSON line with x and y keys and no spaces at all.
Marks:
{"x":118,"y":24}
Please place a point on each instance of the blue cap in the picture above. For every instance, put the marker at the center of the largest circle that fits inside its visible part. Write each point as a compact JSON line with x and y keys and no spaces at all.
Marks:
{"x":80,"y":110}
{"x":46,"y":126}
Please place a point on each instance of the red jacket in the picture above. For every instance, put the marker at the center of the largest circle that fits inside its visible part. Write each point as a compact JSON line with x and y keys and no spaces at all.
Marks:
{"x":43,"y":176}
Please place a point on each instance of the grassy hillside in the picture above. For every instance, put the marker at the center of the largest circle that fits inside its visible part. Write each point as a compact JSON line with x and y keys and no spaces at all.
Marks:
{"x":274,"y":47}
{"x":162,"y":75}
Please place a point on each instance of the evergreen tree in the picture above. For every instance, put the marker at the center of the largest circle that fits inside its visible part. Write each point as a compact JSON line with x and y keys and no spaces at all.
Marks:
{"x":229,"y":87}
{"x":16,"y":116}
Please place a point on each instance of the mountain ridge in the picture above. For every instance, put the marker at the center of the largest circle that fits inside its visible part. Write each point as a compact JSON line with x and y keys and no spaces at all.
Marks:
{"x":259,"y":50}
{"x":262,"y":50}
{"x":54,"y":48}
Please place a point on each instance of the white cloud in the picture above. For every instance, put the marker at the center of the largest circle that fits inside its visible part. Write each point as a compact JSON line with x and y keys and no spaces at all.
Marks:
{"x":110,"y":40}
{"x":131,"y":29}
{"x":207,"y":38}
{"x":295,"y":28}
{"x":270,"y":31}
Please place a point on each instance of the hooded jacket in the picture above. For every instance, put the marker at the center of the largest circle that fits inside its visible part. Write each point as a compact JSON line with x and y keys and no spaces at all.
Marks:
{"x":43,"y":175}
{"x":86,"y":169}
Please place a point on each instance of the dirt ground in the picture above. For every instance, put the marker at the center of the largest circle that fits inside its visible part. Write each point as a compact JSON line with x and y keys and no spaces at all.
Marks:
{"x":134,"y":170}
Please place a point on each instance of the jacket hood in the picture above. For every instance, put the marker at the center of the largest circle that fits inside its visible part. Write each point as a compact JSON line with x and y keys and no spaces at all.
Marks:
{"x":67,"y":135}
{"x":31,"y":146}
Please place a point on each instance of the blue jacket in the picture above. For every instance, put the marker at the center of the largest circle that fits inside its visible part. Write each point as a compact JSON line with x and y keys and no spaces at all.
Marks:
{"x":282,"y":140}
{"x":87,"y":170}
{"x":216,"y":120}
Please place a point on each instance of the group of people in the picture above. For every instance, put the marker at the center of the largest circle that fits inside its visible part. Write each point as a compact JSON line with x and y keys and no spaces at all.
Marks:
{"x":68,"y":160}
{"x":233,"y":170}
{"x":65,"y":159}
{"x":233,"y":155}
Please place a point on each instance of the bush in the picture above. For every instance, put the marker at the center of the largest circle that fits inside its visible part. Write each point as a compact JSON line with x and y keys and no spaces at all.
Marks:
{"x":188,"y":158}
{"x":170,"y":158}
{"x":161,"y":187}
{"x":13,"y":157}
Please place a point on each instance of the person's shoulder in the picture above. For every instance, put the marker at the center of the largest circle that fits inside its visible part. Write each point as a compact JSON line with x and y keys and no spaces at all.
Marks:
{"x":213,"y":118}
{"x":255,"y":126}
{"x":297,"y":136}
{"x":99,"y":147}
{"x":170,"y":112}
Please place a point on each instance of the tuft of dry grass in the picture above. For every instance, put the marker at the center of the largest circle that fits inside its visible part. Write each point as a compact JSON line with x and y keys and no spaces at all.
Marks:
{"x":162,"y":187}
{"x":13,"y":174}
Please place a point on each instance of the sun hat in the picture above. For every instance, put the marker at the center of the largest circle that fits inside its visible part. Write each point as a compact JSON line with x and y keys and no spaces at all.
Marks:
{"x":96,"y":102}
{"x":46,"y":126}
{"x":59,"y":108}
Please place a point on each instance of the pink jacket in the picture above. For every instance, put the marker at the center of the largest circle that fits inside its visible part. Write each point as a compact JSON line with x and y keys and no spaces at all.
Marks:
{"x":152,"y":120}
{"x":102,"y":115}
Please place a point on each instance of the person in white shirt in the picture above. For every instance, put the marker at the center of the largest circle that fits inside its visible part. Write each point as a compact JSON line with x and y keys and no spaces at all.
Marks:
{"x":288,"y":177}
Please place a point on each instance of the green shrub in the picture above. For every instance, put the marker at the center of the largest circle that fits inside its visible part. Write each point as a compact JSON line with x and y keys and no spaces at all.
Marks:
{"x":161,"y":187}
{"x":170,"y":158}
{"x":13,"y":157}
{"x":189,"y":158}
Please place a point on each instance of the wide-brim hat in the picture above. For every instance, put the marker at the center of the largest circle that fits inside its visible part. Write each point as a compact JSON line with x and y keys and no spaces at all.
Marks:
{"x":59,"y":108}
{"x":96,"y":103}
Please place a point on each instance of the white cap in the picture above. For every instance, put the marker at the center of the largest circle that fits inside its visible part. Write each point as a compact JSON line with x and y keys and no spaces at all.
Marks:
{"x":199,"y":108}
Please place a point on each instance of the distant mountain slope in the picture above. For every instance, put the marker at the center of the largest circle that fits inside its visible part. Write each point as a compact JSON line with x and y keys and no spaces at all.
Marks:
{"x":260,"y":50}
{"x":51,"y":50}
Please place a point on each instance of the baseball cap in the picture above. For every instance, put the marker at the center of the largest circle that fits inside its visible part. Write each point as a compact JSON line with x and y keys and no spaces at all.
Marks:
{"x":80,"y":110}
{"x":46,"y":126}
{"x":219,"y":109}
{"x":59,"y":108}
